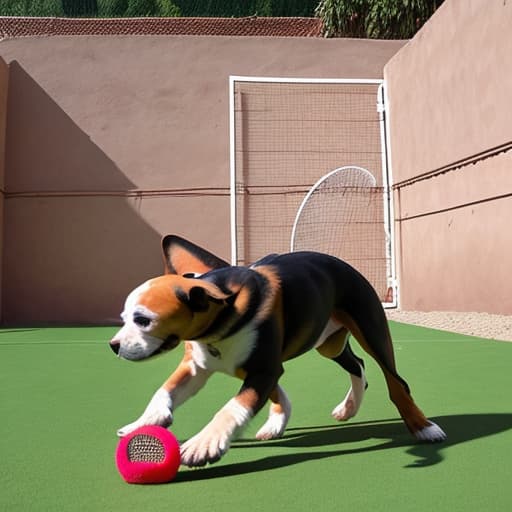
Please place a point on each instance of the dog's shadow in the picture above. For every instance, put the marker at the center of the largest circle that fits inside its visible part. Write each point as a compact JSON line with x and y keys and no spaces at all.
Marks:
{"x":459,"y":428}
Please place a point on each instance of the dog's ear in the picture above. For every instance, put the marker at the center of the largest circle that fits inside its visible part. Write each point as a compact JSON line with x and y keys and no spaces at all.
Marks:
{"x":184,"y":257}
{"x":198,"y":298}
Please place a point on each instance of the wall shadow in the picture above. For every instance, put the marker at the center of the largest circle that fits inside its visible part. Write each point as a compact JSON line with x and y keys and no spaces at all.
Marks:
{"x":46,"y":149}
{"x":460,"y":429}
{"x":73,"y":245}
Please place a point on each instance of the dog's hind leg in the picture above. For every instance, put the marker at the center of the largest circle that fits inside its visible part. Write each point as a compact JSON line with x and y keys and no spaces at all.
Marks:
{"x":337,"y":348}
{"x":352,"y":402}
{"x":419,"y":426}
{"x":372,"y":332}
{"x":280,"y":411}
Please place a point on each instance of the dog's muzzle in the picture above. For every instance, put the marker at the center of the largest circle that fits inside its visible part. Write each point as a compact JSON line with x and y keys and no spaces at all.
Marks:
{"x":170,"y":343}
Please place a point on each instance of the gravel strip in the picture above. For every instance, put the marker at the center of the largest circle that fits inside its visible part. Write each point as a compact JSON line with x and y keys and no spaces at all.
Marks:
{"x":483,"y":325}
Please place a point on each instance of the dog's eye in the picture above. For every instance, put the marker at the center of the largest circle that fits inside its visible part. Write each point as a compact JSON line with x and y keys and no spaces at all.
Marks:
{"x":141,"y":320}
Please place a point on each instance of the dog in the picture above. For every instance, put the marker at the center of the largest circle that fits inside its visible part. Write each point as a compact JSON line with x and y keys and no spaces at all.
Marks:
{"x":246,"y":322}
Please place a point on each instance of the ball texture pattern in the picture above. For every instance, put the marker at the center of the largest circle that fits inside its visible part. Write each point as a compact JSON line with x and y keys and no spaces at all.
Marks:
{"x":148,"y":455}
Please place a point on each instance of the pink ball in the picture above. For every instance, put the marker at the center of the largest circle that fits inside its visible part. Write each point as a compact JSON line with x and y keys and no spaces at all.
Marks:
{"x":148,"y":455}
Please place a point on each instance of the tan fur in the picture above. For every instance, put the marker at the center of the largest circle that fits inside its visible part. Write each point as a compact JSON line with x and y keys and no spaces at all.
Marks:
{"x":273,"y":296}
{"x":175,"y":317}
{"x":181,"y":258}
{"x":276,"y":407}
{"x":248,"y":398}
{"x":182,"y":373}
{"x":334,"y":344}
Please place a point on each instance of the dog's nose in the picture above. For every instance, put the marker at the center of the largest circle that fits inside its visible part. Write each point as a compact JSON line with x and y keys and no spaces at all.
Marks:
{"x":115,"y":345}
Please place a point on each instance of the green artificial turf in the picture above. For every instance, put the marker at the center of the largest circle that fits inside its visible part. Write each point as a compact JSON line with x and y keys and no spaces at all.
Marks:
{"x":63,"y":394}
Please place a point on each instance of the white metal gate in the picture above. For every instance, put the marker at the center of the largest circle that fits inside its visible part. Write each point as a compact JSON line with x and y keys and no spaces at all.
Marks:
{"x":285,"y":134}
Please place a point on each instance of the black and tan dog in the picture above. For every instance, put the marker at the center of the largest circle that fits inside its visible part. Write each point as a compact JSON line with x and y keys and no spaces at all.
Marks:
{"x":246,"y":321}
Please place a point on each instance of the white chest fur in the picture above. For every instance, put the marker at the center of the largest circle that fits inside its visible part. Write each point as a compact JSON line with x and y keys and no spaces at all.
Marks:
{"x":225,"y":355}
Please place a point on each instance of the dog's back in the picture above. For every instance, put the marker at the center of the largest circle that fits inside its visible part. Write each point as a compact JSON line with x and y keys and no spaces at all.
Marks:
{"x":317,"y":288}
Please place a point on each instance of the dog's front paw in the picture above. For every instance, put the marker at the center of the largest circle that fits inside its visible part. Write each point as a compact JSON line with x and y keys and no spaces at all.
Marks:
{"x":273,"y":428}
{"x":204,"y":448}
{"x":158,"y":412}
{"x":213,"y":441}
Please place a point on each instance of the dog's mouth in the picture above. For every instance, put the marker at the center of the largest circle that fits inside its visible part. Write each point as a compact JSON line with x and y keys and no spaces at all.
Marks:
{"x":170,"y":343}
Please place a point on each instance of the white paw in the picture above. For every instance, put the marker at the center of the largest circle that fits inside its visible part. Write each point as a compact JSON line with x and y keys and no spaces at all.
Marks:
{"x":346,"y":410}
{"x":213,"y":441}
{"x":205,"y":447}
{"x":352,"y":401}
{"x":278,"y":418}
{"x":431,"y":433}
{"x":273,"y":428}
{"x":158,"y":412}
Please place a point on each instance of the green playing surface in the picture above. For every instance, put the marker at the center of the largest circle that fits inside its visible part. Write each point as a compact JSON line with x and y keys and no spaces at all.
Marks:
{"x":64,"y":393}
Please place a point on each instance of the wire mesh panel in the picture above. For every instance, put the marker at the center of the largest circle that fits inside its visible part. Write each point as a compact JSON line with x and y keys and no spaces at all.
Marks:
{"x":286,"y":135}
{"x":343,"y":215}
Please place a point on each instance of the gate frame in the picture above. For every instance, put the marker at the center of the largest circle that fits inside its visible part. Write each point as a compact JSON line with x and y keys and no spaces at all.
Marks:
{"x":381,"y":106}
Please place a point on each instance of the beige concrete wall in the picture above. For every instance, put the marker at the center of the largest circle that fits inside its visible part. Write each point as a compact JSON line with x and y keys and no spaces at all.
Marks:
{"x":114,"y":141}
{"x":449,"y":101}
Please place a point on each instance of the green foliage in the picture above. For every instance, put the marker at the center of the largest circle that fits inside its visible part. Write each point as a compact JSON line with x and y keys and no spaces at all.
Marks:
{"x":379,"y":19}
{"x":238,"y":8}
{"x":136,"y":8}
{"x":112,"y":8}
{"x":44,"y":8}
{"x":31,"y":8}
{"x":167,"y":8}
{"x":341,"y":18}
{"x":141,"y":8}
{"x":120,"y":8}
{"x":304,"y":8}
{"x":91,"y":8}
{"x":79,"y":7}
{"x":12,"y":8}
{"x":224,"y":8}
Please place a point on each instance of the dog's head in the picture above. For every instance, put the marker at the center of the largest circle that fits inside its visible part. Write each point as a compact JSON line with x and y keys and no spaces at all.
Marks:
{"x":164,"y":311}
